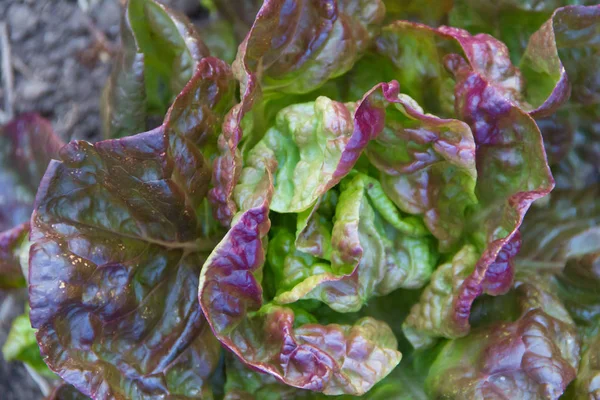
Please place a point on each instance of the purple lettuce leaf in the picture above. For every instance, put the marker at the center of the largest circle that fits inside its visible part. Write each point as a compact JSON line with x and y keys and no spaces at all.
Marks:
{"x":118,"y":239}
{"x":512,"y":173}
{"x":427,"y":166}
{"x":512,"y":170}
{"x":291,"y":48}
{"x":28,"y":144}
{"x":535,"y":356}
{"x":160,"y":52}
{"x":333,"y":359}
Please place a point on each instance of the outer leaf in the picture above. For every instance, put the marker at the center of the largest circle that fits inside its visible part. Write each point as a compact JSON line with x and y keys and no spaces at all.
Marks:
{"x":423,"y":47}
{"x":117,"y":249}
{"x":427,"y":166}
{"x":534,"y":357}
{"x":572,"y":33}
{"x":511,"y":21}
{"x":512,"y":173}
{"x":333,"y":359}
{"x":26,"y":146}
{"x":511,"y":166}
{"x":161,"y":50}
{"x":292,"y":48}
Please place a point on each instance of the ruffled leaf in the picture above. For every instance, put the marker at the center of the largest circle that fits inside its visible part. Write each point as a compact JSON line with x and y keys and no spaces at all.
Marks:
{"x":536,"y":356}
{"x":118,"y":242}
{"x":427,"y":166}
{"x":433,"y":316}
{"x":369,"y":255}
{"x":308,"y":143}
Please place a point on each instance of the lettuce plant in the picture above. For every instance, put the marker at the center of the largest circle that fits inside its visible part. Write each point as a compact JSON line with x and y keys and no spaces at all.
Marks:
{"x":344,"y":210}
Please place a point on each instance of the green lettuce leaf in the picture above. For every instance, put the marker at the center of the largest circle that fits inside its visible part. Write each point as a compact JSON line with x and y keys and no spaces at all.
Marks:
{"x":370,"y":256}
{"x":21,"y":345}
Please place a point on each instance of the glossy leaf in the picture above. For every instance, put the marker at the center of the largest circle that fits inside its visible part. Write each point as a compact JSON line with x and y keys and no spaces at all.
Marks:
{"x":427,"y":166}
{"x":160,"y":51}
{"x":569,"y":29}
{"x":535,"y":357}
{"x":308,"y":143}
{"x":118,"y":243}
